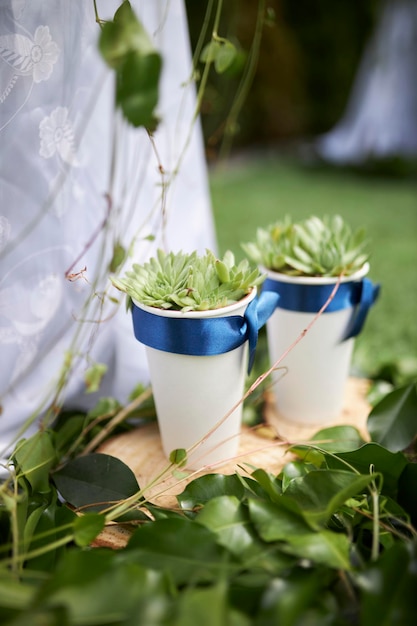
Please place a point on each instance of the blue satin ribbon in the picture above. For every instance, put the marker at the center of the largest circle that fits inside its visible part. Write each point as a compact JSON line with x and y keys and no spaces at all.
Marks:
{"x":205,"y":336}
{"x":360,"y":295}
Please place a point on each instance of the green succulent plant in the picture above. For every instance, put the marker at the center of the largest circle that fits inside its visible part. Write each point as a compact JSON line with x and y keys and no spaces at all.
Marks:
{"x":312,"y":247}
{"x":189,"y":282}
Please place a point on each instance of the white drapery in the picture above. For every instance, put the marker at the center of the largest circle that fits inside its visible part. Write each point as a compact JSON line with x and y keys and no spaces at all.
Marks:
{"x":380,"y":120}
{"x":57,"y":127}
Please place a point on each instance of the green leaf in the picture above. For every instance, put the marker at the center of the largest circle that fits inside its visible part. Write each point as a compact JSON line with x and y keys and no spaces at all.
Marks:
{"x":388,"y":464}
{"x":209,"y":52}
{"x":31,"y":524}
{"x":294,"y":469}
{"x":67,"y":431}
{"x":320,"y":493}
{"x":270,"y":484}
{"x":178,"y":457}
{"x":281,"y":522}
{"x":300,"y":598}
{"x":389,"y":588}
{"x":188,"y":551}
{"x":393,"y":421}
{"x":324,"y":547}
{"x":95,"y":481}
{"x":277,"y":521}
{"x":119,"y":255}
{"x":127,"y":48}
{"x":137,"y":89}
{"x":94,"y":376}
{"x":105,"y":587}
{"x":15,"y":594}
{"x":35,"y":457}
{"x":87,"y":527}
{"x":105,"y":406}
{"x":332,"y":439}
{"x":407,"y":490}
{"x":226,"y":517}
{"x":338,"y":439}
{"x":123,"y":35}
{"x":208,"y":607}
{"x":225,"y":56}
{"x":203,"y":489}
{"x":52,"y":616}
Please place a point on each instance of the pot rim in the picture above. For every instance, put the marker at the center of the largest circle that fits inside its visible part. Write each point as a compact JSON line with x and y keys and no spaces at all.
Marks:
{"x":222,"y":311}
{"x":315,"y":280}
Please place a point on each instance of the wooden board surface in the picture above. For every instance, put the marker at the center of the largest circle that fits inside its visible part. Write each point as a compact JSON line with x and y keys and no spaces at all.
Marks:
{"x":264,"y":447}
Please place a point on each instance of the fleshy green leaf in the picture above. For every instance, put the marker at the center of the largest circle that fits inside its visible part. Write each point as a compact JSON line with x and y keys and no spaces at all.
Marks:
{"x":189,"y":282}
{"x":312,"y":247}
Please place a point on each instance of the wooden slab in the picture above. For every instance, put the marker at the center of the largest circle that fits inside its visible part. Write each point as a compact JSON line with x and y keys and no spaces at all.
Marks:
{"x":263,"y":447}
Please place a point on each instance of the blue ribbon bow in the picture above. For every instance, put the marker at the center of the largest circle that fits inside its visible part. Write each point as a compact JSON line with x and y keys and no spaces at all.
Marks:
{"x":360,"y":295}
{"x":205,"y":336}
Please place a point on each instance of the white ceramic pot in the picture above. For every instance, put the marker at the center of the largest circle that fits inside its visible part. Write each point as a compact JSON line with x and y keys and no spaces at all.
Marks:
{"x":309,"y":383}
{"x":193,"y":393}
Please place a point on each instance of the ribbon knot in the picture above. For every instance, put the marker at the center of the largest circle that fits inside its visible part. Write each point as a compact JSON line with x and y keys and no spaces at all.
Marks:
{"x":205,"y":336}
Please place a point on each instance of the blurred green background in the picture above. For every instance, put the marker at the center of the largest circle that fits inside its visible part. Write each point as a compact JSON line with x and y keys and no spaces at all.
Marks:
{"x":308,"y":59}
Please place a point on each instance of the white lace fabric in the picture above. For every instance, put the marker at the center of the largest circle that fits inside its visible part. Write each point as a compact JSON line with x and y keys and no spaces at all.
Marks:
{"x":58,"y":225}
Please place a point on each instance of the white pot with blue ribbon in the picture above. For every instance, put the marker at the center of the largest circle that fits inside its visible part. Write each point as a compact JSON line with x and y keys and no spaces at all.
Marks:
{"x":309,"y":383}
{"x":197,"y":364}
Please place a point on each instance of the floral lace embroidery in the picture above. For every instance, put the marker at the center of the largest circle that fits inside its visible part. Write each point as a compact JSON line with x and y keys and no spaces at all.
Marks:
{"x":57,"y":136}
{"x":29,"y":57}
{"x":23,"y":57}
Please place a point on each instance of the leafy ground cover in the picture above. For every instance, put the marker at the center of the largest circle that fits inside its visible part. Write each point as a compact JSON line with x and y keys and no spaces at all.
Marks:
{"x":255,"y":191}
{"x":331,"y":539}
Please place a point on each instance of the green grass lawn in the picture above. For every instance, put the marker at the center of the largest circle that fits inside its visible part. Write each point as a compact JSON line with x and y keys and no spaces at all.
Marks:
{"x":252,"y":192}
